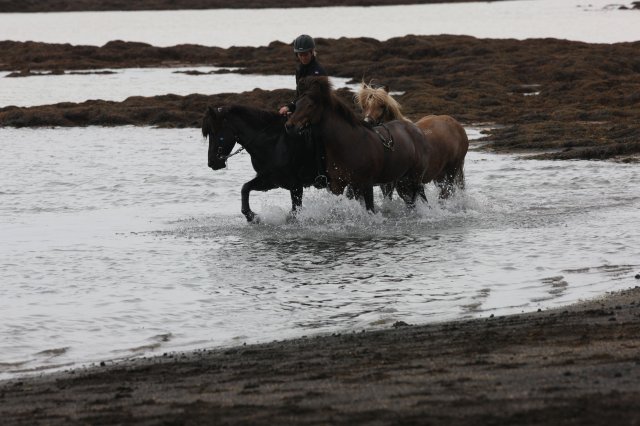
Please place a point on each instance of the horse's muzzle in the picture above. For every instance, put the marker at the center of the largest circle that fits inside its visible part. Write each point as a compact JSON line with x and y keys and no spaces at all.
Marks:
{"x":217,"y":164}
{"x":369,"y":121}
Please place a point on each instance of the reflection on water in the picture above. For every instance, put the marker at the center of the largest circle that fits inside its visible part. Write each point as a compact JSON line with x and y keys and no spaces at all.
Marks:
{"x":120,"y":242}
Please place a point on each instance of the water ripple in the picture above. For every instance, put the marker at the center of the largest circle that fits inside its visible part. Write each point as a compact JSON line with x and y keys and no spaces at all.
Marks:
{"x":147,"y":251}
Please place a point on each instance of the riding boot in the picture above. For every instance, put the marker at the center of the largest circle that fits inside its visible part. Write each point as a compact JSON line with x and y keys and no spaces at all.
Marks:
{"x":321,"y":180}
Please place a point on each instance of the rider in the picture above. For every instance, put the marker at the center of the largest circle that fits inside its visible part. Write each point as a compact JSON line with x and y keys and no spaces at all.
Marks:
{"x":305,"y":50}
{"x":304,"y":47}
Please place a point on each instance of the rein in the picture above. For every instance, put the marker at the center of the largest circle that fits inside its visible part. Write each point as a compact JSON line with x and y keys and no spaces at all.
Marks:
{"x":237,"y":151}
{"x":387,"y":141}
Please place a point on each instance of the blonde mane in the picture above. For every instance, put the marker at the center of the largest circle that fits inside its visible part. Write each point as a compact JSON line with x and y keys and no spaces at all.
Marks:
{"x":379,"y":95}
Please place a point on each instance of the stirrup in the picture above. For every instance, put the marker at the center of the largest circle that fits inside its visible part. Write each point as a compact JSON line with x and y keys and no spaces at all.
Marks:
{"x":320,"y":181}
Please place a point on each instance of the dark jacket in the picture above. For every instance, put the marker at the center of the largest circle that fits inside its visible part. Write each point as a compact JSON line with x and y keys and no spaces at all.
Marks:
{"x":312,"y":69}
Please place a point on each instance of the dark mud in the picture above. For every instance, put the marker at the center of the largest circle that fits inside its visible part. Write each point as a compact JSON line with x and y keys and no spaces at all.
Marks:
{"x":578,"y":365}
{"x":566,"y":99}
{"x":103,"y":5}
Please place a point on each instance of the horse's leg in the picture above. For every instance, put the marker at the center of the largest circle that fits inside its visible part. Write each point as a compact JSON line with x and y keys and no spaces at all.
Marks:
{"x":453,"y":178}
{"x":444,"y":186}
{"x":445,"y":183}
{"x":421,"y":193}
{"x":356,"y":193}
{"x":336,"y":185}
{"x":409,"y":192}
{"x":296,"y":198}
{"x":459,"y":177}
{"x":350,"y":192}
{"x":406,"y":192}
{"x":367,"y":193}
{"x":387,"y":189}
{"x":256,"y":184}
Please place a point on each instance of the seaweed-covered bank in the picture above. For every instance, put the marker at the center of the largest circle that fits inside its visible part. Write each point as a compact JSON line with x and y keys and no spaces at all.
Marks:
{"x":562,"y":99}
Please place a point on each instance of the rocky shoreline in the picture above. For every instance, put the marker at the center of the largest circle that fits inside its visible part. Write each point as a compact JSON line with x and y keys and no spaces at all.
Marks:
{"x":579,"y":365}
{"x":562,"y":99}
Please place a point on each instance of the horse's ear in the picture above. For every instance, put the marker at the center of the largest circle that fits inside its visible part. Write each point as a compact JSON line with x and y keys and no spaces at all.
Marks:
{"x":217,"y":112}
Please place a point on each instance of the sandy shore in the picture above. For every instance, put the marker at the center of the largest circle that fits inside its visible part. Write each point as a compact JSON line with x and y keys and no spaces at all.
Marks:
{"x":578,"y":365}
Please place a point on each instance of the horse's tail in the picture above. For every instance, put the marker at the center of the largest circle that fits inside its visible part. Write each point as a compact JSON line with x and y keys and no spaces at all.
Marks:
{"x":207,"y":122}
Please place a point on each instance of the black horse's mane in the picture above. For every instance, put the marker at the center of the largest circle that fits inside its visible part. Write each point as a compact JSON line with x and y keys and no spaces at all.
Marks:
{"x":256,"y":115}
{"x":265,"y":119}
{"x":322,"y":88}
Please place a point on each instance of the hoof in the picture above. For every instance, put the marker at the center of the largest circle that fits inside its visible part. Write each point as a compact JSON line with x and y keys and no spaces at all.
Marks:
{"x":251,"y":216}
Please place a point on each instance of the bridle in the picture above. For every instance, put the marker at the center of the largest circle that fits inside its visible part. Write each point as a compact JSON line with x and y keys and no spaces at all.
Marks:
{"x":379,"y":122}
{"x":236,"y":139}
{"x":237,"y":151}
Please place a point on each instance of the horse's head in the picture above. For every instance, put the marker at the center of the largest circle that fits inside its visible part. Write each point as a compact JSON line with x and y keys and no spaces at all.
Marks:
{"x":314,"y":93}
{"x":222,"y":136}
{"x":376,"y":103}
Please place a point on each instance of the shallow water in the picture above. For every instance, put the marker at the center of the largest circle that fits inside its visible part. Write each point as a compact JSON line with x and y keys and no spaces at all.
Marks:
{"x":119,"y":242}
{"x":122,"y":83}
{"x":584,"y":20}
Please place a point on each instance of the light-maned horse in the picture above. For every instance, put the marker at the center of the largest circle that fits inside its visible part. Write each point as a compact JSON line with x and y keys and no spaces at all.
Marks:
{"x":356,"y":155}
{"x":447,"y":140}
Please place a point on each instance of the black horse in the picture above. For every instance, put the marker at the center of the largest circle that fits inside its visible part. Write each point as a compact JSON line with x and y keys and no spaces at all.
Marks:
{"x":281,"y":160}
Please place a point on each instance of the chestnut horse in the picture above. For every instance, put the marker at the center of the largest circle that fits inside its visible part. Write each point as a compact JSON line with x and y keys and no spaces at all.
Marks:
{"x":448,"y":142}
{"x":357,"y":155}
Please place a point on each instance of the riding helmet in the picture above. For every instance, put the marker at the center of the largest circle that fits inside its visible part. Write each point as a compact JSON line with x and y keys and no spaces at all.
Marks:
{"x":303,"y":43}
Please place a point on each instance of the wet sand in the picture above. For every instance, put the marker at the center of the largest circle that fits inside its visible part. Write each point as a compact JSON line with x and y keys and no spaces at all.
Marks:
{"x":578,"y":365}
{"x":561,"y":99}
